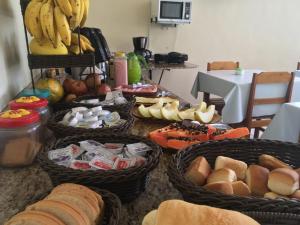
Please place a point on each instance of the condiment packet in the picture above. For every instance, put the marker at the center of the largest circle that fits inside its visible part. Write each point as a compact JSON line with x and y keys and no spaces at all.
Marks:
{"x":115,"y":148}
{"x":90,"y":145}
{"x":93,"y":101}
{"x":138,"y":149}
{"x":80,"y":165}
{"x":62,"y":155}
{"x":121,"y":163}
{"x":78,"y":109}
{"x":140,"y":161}
{"x":102,"y":163}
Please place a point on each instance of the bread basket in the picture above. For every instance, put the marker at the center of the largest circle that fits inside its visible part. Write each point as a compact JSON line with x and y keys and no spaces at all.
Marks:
{"x":61,"y":130}
{"x":271,"y":218}
{"x":247,"y":150}
{"x":126,"y":183}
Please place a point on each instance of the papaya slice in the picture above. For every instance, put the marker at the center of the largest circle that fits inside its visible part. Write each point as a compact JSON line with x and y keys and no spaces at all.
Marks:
{"x":180,"y":144}
{"x":159,"y":139}
{"x":231,"y":134}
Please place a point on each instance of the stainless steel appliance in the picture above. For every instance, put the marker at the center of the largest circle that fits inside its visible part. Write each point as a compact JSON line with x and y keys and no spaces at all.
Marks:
{"x":140,"y":45}
{"x":171,"y":11}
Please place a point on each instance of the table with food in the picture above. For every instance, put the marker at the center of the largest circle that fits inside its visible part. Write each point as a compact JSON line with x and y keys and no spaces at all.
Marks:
{"x":99,"y":150}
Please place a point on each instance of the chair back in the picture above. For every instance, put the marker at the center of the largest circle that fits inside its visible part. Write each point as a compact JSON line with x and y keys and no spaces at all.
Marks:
{"x":222,"y":65}
{"x":298,"y":66}
{"x":266,"y":79}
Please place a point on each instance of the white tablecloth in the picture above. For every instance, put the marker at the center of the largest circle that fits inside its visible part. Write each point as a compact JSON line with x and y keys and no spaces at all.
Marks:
{"x":285,"y":125}
{"x":235,"y":90}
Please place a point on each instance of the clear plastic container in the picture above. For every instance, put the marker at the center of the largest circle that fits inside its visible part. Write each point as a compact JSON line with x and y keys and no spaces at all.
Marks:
{"x":32,"y":103}
{"x":19,"y":137}
{"x":120,"y":69}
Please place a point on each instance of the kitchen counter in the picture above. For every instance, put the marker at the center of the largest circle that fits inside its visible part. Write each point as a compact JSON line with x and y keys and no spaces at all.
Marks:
{"x":19,"y":187}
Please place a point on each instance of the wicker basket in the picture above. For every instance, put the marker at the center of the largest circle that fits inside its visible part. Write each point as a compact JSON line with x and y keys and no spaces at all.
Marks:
{"x":246,"y":150}
{"x":127,"y":183}
{"x":61,"y":130}
{"x":269,"y":218}
{"x":68,"y":105}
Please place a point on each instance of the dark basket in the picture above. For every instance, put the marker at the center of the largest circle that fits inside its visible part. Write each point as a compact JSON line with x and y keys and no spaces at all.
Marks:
{"x":246,"y":150}
{"x":127,"y":183}
{"x":61,"y":130}
{"x":68,"y":105}
{"x":269,"y":218}
{"x":112,"y":210}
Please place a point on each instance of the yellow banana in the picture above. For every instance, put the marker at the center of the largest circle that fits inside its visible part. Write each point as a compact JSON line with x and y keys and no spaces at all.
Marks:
{"x":62,"y":26}
{"x":74,"y":49}
{"x":47,"y":22}
{"x":81,"y":11}
{"x":45,"y":47}
{"x":86,"y":12}
{"x":75,"y":19}
{"x":65,"y":7}
{"x":32,"y":19}
{"x":89,"y":47}
{"x":85,"y":39}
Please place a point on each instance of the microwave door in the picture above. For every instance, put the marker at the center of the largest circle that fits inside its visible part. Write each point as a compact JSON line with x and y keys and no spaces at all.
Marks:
{"x":171,"y":10}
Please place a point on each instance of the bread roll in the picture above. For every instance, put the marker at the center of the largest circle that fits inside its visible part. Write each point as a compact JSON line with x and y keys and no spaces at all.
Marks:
{"x":175,"y":212}
{"x":34,"y":218}
{"x":257,"y":179}
{"x":296,"y":195}
{"x":272,"y":195}
{"x":240,"y":189}
{"x":239,"y":167}
{"x":64,"y":212}
{"x":271,"y":162}
{"x":283,"y":181}
{"x":222,"y":187}
{"x":298,"y":171}
{"x":224,"y":174}
{"x":150,"y":218}
{"x":198,"y":171}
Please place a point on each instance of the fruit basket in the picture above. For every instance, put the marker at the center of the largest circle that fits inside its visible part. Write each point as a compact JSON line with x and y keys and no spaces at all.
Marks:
{"x":76,"y":103}
{"x":269,"y":218}
{"x":246,"y":150}
{"x":61,"y":130}
{"x":127,"y":184}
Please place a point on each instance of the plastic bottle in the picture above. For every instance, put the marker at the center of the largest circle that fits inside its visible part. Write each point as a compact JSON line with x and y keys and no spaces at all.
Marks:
{"x":120,"y":69}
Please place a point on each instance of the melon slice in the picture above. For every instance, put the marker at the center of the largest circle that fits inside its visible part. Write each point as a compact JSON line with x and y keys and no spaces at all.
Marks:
{"x":205,"y":116}
{"x":155,"y":110}
{"x":144,"y":111}
{"x":188,"y":114}
{"x":170,"y":111}
{"x":202,"y":107}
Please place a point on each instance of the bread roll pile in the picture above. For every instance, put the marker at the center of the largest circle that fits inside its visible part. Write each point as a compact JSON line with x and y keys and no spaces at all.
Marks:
{"x":271,"y":178}
{"x":67,"y":204}
{"x":176,"y":212}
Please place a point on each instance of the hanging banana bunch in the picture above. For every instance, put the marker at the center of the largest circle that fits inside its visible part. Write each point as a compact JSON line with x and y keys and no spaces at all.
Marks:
{"x":50,"y":23}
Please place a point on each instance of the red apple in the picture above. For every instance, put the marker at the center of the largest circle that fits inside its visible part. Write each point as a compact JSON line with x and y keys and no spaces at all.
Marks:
{"x":93,"y":81}
{"x":103,"y":89}
{"x":76,"y":87}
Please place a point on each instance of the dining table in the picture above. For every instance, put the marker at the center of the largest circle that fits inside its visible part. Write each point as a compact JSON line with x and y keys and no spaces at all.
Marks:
{"x":285,"y":126}
{"x":235,"y":90}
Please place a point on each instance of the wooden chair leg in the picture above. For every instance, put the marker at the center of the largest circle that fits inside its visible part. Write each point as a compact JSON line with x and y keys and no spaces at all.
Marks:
{"x":256,"y":132}
{"x":206,"y":97}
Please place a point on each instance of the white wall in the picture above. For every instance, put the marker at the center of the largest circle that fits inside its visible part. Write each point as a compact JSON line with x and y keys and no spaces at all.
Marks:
{"x":259,"y":33}
{"x":14,"y":73}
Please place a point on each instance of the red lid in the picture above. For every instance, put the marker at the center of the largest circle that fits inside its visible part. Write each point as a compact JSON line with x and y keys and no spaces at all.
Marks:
{"x":31,"y":102}
{"x":18,"y":118}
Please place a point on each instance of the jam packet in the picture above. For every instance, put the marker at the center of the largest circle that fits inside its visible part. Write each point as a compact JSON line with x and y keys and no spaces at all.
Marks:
{"x":80,"y":165}
{"x":90,"y":145}
{"x":62,"y":156}
{"x":115,"y":148}
{"x":121,"y":163}
{"x":138,"y":149}
{"x":102,"y":163}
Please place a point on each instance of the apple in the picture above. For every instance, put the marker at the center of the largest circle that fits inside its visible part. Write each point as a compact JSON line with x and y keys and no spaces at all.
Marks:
{"x":76,"y":87}
{"x":103,"y":89}
{"x":93,"y":81}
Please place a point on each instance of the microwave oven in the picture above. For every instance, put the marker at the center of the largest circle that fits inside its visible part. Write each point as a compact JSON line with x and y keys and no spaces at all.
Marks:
{"x":171,"y":11}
